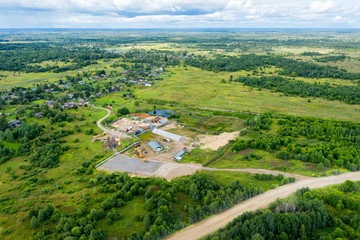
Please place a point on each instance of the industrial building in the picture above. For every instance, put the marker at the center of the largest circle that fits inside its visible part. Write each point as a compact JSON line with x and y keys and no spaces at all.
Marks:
{"x":169,"y":135}
{"x":179,"y":155}
{"x":155,"y":146}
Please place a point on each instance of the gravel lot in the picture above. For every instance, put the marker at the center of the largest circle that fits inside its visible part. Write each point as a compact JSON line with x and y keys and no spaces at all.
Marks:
{"x":121,"y":163}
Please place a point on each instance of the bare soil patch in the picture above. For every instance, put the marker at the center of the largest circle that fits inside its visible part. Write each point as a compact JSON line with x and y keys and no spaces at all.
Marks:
{"x":214,"y":142}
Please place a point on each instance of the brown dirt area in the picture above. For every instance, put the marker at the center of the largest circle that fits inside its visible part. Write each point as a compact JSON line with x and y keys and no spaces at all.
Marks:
{"x":214,"y":142}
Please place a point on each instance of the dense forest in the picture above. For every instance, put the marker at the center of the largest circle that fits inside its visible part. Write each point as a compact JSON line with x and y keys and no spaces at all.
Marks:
{"x":338,"y":146}
{"x":343,"y":93}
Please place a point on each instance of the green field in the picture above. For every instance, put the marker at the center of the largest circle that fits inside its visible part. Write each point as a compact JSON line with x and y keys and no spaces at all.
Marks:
{"x":195,"y":87}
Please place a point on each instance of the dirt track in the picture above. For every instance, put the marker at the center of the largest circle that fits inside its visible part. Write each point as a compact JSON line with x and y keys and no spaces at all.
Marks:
{"x":109,"y":131}
{"x":212,"y":224}
{"x":260,"y":171}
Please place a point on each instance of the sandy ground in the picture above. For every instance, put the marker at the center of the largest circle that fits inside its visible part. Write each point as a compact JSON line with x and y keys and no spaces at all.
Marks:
{"x":171,"y":125}
{"x":212,"y":224}
{"x":214,"y":142}
{"x":174,"y":170}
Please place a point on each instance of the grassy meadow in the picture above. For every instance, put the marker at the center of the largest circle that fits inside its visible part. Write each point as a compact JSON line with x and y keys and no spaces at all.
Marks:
{"x":194,"y":87}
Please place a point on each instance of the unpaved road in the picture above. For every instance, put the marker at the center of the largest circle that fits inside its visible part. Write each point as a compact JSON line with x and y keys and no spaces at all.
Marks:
{"x":260,"y":171}
{"x":212,"y":224}
{"x":109,"y":131}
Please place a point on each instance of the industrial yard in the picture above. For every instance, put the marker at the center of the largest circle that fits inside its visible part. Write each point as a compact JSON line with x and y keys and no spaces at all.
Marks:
{"x":161,"y":146}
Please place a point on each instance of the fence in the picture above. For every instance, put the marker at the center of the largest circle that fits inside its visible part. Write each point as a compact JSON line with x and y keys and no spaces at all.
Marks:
{"x":121,"y":151}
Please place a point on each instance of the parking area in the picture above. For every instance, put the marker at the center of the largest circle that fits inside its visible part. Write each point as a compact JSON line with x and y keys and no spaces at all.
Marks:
{"x":135,"y":166}
{"x":121,"y":163}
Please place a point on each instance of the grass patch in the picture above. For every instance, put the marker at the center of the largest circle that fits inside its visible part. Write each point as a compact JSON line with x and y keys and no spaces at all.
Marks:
{"x":227,"y":177}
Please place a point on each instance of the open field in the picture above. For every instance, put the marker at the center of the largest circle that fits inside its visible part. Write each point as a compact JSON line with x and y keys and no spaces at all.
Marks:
{"x":195,"y":87}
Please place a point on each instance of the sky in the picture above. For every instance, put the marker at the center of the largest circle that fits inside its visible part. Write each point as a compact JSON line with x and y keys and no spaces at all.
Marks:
{"x":179,"y":14}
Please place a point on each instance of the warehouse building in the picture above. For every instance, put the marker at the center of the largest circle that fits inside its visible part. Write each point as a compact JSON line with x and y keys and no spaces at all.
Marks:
{"x":179,"y":155}
{"x":155,"y":146}
{"x":169,"y":135}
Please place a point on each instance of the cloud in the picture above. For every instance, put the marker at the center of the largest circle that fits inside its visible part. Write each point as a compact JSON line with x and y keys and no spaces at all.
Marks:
{"x":178,"y":13}
{"x":320,"y":7}
{"x":338,"y":18}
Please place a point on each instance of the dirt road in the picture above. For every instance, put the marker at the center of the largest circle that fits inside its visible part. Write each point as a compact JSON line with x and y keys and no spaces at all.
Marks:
{"x":260,"y":171}
{"x":109,"y":131}
{"x":212,"y":224}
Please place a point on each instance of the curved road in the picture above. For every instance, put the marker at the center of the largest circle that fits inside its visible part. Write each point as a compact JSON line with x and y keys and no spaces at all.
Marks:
{"x":112,"y":133}
{"x":220,"y":220}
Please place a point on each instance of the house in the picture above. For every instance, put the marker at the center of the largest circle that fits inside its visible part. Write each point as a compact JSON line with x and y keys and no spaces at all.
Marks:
{"x":70,"y":104}
{"x":38,"y":115}
{"x":99,"y":94}
{"x":155,"y":146}
{"x":15,"y":123}
{"x":148,"y":85}
{"x":50,"y":102}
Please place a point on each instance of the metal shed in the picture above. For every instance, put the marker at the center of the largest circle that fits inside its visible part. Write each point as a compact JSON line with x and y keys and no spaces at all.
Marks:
{"x":170,"y":135}
{"x":155,"y":146}
{"x":179,"y":155}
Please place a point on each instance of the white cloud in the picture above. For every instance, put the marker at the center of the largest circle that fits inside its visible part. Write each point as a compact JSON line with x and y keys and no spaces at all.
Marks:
{"x":338,"y":18}
{"x":320,"y":7}
{"x":178,"y":13}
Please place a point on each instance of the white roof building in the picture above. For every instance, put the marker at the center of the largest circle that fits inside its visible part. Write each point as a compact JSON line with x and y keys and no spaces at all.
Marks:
{"x":169,"y":135}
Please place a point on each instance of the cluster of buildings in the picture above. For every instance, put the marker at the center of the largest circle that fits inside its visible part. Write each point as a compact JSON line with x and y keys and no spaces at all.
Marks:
{"x":139,"y":123}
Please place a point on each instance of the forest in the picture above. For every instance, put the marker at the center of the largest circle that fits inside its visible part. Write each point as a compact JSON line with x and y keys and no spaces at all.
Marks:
{"x":164,"y":204}
{"x":338,"y":141}
{"x":27,"y":57}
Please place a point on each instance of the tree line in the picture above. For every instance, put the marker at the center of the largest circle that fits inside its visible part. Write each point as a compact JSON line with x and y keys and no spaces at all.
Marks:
{"x":288,"y":67}
{"x":347,"y":94}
